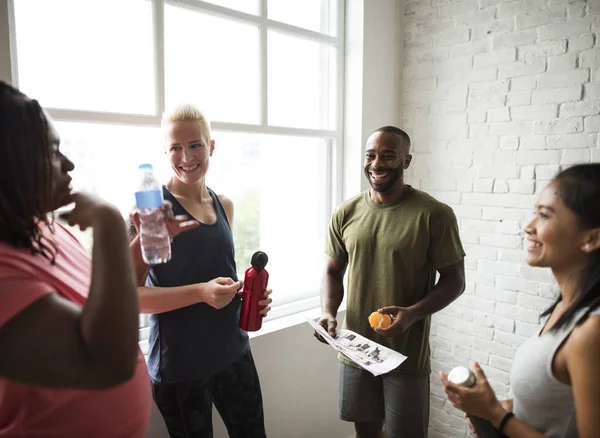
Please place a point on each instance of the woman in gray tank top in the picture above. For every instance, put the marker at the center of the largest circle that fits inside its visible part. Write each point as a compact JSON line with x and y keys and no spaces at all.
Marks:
{"x":554,"y":377}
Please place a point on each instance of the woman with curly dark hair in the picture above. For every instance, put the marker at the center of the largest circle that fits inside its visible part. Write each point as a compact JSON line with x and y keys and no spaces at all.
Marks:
{"x":70,"y":365}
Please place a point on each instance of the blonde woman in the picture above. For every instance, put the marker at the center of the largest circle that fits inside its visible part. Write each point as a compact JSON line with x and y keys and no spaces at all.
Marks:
{"x":198,"y":353}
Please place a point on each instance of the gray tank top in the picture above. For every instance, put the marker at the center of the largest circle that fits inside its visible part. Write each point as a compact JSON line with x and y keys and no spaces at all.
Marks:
{"x":540,"y":400}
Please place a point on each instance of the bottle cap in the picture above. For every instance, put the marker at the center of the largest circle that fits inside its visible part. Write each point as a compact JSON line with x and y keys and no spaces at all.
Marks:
{"x":145,"y":166}
{"x":462,"y":376}
{"x":259,"y":260}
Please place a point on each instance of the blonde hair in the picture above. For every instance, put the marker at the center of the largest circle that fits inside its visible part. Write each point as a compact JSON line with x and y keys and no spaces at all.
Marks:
{"x":188,"y":113}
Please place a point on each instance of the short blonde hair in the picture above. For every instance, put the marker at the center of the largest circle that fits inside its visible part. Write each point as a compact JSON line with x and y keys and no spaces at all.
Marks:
{"x":188,"y":113}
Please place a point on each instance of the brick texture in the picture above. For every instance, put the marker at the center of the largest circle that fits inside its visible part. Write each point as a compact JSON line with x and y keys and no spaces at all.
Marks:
{"x":498,"y":97}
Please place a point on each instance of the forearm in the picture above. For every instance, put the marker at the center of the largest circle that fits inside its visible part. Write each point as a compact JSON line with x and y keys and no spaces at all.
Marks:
{"x":440,"y":296}
{"x":332,"y":293}
{"x":518,"y":429}
{"x":109,"y":318}
{"x":164,"y":299}
{"x":141,"y":269}
{"x":514,"y":428}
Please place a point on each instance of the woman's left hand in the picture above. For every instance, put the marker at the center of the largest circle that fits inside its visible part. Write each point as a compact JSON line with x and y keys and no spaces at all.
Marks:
{"x":478,"y":400}
{"x":265,"y":304}
{"x":175,"y":224}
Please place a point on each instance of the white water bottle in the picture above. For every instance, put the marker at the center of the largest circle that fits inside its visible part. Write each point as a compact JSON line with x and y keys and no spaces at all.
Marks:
{"x":154,"y":236}
{"x":463,"y":376}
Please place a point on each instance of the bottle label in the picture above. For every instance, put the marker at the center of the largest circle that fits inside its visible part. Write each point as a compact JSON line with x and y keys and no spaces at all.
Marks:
{"x":148,"y":199}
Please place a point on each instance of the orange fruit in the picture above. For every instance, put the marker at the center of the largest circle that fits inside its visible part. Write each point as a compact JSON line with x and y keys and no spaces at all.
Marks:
{"x":380,"y":320}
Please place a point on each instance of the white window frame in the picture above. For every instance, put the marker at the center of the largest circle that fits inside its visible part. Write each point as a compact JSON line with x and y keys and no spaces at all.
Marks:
{"x":334,"y":137}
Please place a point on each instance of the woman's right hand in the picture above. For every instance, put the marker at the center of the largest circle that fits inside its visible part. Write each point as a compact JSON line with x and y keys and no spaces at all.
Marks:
{"x":88,"y":211}
{"x":219,"y":292}
{"x":506,"y":404}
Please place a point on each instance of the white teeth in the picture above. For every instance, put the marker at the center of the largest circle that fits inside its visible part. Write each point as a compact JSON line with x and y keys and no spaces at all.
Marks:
{"x":379,"y":176}
{"x":188,"y":169}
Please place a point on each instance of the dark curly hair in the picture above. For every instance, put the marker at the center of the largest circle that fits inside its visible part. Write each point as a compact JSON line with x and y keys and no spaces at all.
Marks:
{"x":579,"y":190}
{"x":26,"y":177}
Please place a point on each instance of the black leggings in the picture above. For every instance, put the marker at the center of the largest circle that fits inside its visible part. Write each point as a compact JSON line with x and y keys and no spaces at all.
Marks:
{"x":187,"y":406}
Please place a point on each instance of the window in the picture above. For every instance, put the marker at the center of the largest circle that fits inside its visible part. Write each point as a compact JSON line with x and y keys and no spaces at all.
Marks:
{"x":79,"y":63}
{"x":302,"y":82}
{"x":267,"y":73}
{"x":249,"y":6}
{"x":212,"y":62}
{"x":316,"y":15}
{"x":280,"y":198}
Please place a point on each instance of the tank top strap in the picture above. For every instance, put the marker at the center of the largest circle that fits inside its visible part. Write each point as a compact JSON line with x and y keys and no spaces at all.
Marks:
{"x":582,"y":314}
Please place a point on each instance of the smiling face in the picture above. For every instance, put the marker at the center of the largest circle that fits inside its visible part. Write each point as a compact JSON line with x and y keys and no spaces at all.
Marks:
{"x":386,"y":158}
{"x":189,"y":150}
{"x":556,"y":238}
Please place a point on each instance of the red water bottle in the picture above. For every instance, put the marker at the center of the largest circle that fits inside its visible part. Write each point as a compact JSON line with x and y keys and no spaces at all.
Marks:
{"x":255,"y":283}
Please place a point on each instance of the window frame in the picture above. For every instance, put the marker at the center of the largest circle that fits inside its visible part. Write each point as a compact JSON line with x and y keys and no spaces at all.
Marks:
{"x":333,"y":137}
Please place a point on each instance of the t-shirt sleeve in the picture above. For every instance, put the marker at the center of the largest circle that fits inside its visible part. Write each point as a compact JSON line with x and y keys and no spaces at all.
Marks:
{"x":17,"y":291}
{"x":334,"y":246}
{"x":445,"y":247}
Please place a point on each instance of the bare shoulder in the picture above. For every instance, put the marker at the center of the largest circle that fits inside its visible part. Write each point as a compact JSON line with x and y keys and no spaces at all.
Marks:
{"x":227,"y":206}
{"x":226,"y":202}
{"x":585,"y":339}
{"x":582,"y":353}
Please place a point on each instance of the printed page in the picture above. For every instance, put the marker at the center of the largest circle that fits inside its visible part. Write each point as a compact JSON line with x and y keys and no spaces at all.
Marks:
{"x":367,"y":354}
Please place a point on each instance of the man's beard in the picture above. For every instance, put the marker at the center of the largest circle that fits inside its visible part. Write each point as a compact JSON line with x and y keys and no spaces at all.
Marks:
{"x":387,"y":183}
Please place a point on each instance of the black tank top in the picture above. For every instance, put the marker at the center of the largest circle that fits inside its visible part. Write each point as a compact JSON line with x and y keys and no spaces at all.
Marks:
{"x":196,"y":341}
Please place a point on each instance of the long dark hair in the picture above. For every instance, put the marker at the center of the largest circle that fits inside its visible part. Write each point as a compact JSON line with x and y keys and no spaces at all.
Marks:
{"x":26,"y":177}
{"x":579,"y":190}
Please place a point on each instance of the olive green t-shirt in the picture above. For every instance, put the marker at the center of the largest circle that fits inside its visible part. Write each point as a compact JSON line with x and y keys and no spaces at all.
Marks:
{"x":393,"y":251}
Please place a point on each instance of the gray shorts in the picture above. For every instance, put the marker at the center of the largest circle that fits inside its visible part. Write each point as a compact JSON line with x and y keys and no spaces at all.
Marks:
{"x":402,"y":402}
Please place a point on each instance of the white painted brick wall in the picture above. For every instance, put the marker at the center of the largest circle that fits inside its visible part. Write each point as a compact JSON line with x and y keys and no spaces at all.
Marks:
{"x":498,"y":96}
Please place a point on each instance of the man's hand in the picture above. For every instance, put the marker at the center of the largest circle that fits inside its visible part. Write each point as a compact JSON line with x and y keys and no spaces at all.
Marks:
{"x":219,"y":292}
{"x":402,"y":319}
{"x":329,"y":323}
{"x":175,"y":224}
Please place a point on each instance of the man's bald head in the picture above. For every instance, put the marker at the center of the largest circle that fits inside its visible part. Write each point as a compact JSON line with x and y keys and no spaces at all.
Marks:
{"x":403,"y":137}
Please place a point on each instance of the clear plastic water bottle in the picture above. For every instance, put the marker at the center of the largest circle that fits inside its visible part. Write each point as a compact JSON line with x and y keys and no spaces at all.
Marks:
{"x":154,"y":236}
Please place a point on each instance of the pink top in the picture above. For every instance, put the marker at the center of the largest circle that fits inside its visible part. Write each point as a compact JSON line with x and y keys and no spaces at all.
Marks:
{"x":29,"y":412}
